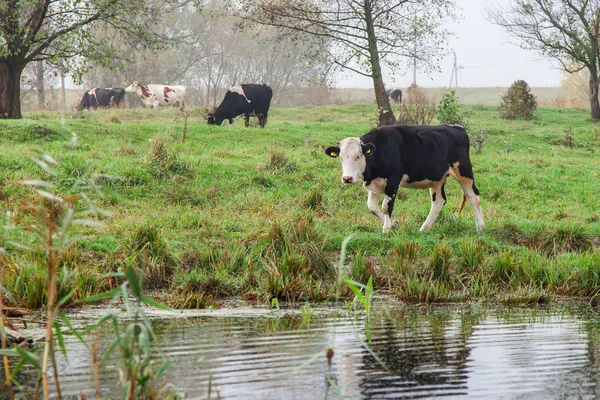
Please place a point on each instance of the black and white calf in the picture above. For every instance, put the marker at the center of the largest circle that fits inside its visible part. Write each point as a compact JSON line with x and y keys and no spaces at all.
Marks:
{"x":248,"y":99}
{"x":416,"y":157}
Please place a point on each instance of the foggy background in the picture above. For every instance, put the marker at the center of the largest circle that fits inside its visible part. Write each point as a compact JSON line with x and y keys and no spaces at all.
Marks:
{"x":213,"y":56}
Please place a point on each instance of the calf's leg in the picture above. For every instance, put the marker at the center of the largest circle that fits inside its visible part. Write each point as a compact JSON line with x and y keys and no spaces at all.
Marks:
{"x":391,"y":188}
{"x":464,"y":175}
{"x":373,"y":204}
{"x":438,"y":199}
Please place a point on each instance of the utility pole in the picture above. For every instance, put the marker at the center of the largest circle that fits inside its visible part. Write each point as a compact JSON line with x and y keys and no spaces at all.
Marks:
{"x":454,"y":74}
{"x":414,"y":82}
{"x":63,"y":97}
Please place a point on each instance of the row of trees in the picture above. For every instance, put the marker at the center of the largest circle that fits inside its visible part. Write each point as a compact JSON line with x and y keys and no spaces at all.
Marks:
{"x":283,"y":41}
{"x":210,"y":52}
{"x":277,"y":41}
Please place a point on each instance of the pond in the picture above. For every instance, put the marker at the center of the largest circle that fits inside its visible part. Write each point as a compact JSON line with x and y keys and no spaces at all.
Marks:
{"x":473,"y":350}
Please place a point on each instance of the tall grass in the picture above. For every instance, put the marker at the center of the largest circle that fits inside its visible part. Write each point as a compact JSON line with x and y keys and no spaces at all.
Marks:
{"x":277,"y":200}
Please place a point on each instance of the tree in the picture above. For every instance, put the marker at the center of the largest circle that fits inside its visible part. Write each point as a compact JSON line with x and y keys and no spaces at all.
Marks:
{"x":211,"y":56}
{"x":363,"y":34}
{"x":37,"y":30}
{"x":565,"y":30}
{"x":575,"y":87}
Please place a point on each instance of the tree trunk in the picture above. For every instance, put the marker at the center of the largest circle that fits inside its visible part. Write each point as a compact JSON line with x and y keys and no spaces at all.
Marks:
{"x":10,"y":90}
{"x":39,"y":83}
{"x":594,"y":102}
{"x":386,"y":115}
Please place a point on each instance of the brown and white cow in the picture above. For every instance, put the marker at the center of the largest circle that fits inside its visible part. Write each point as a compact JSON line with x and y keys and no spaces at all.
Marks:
{"x":158,"y":95}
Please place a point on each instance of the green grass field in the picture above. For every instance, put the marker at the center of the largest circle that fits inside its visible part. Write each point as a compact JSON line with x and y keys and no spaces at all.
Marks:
{"x":259,"y":214}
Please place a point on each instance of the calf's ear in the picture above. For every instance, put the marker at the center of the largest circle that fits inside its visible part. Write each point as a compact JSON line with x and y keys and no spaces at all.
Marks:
{"x":333,"y":151}
{"x":368,"y":149}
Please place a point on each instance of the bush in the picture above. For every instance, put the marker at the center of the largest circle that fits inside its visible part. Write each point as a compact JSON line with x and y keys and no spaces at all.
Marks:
{"x":416,"y":110}
{"x":478,"y":139}
{"x":448,"y":110}
{"x":518,"y":102}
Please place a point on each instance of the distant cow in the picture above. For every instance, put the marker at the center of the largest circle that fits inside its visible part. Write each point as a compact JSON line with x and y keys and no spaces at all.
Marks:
{"x":396,"y":95}
{"x":155,"y":95}
{"x":418,"y":157}
{"x":248,"y":99}
{"x":102,"y":97}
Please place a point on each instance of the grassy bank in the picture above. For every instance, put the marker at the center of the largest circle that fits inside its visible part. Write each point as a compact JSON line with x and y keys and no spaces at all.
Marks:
{"x":261,"y":214}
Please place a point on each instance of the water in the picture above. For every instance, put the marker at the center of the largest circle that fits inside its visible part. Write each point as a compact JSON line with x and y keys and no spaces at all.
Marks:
{"x":470,"y":351}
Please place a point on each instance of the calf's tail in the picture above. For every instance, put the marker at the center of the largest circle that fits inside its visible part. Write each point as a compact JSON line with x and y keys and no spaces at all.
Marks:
{"x":463,"y":203}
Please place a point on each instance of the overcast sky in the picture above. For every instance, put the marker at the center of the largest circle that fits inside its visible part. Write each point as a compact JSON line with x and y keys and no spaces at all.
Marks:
{"x":489,"y":57}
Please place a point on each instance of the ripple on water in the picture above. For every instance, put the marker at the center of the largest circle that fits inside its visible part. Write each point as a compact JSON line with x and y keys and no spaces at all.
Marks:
{"x":466,"y":351}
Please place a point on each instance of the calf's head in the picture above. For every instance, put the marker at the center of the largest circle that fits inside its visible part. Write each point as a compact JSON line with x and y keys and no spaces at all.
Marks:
{"x":353,"y":153}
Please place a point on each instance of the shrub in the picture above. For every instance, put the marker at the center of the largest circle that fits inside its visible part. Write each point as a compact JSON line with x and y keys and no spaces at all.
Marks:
{"x":478,"y":139}
{"x":415,"y":95}
{"x":448,"y":110}
{"x":518,"y":102}
{"x":416,"y":110}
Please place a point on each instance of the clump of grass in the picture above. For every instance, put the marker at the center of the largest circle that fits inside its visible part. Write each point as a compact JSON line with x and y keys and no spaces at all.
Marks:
{"x":418,"y":290}
{"x":279,"y":161}
{"x":586,"y":279}
{"x":470,"y":256}
{"x":573,"y":238}
{"x":504,"y":266}
{"x":202,"y":287}
{"x":566,"y":238}
{"x":294,"y":262}
{"x":152,"y":255}
{"x":25,"y":283}
{"x":314,"y":200}
{"x":164,"y":163}
{"x":263,"y":181}
{"x":127,"y":149}
{"x":361,"y":269}
{"x":113,"y":118}
{"x":401,"y":258}
{"x":440,"y":262}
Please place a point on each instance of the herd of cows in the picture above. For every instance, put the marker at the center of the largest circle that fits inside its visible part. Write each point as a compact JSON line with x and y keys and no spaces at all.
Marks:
{"x":247,"y":99}
{"x":386,"y":159}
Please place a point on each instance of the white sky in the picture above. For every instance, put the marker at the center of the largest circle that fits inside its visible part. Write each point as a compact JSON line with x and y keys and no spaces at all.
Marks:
{"x":489,"y":56}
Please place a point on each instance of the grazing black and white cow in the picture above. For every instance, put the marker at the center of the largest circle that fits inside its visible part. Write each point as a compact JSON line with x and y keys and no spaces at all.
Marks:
{"x":248,"y":99}
{"x":396,"y":95}
{"x":101,"y":97}
{"x":417,"y":157}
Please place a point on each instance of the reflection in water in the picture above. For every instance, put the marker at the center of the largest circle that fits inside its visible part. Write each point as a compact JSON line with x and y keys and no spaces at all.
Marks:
{"x":471,"y":350}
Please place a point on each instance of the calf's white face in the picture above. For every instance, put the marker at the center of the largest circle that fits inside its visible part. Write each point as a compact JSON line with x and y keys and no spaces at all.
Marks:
{"x":352,"y":152}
